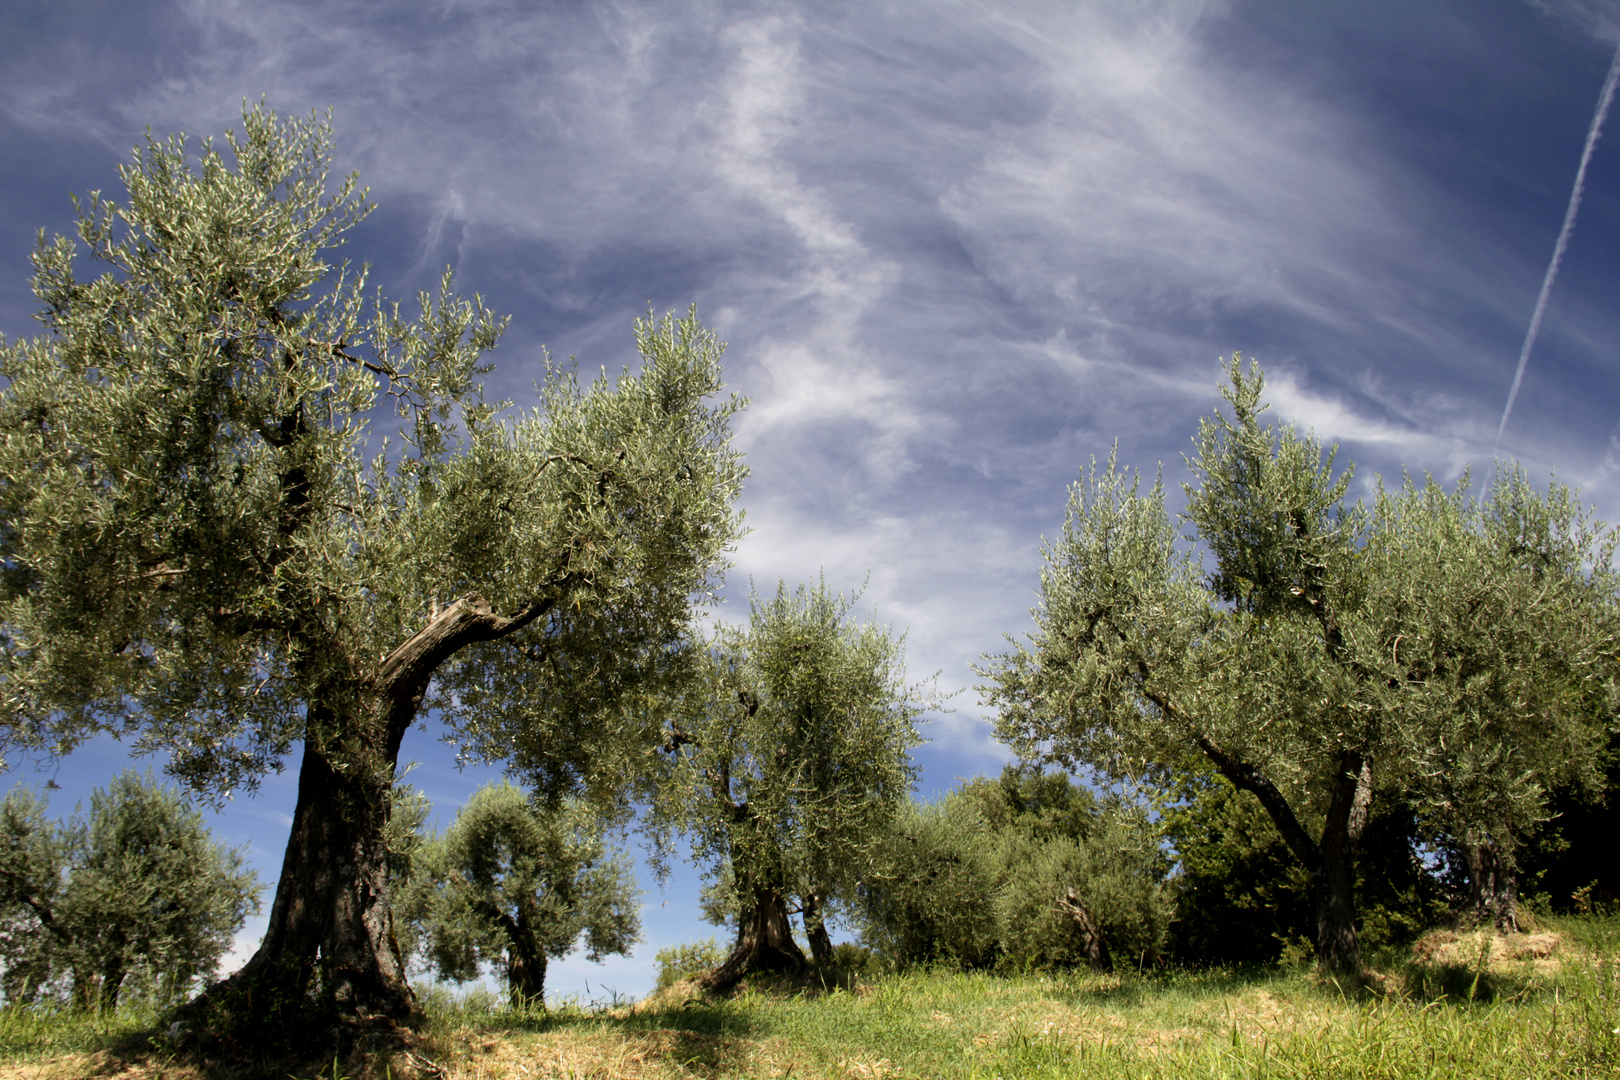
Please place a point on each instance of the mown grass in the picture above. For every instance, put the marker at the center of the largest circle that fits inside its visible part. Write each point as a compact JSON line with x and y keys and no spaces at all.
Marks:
{"x":1462,"y":1015}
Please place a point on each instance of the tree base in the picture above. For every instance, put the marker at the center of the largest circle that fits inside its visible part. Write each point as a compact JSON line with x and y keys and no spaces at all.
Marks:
{"x":279,"y":1008}
{"x":764,"y":944}
{"x":374,"y":1049}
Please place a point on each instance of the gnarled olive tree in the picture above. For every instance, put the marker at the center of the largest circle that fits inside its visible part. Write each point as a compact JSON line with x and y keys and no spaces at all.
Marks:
{"x":1427,"y":644}
{"x":208,"y":548}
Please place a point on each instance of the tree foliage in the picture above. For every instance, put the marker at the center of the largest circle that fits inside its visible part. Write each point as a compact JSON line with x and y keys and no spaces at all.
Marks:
{"x":208,"y":548}
{"x":929,"y":895}
{"x":1563,"y":861}
{"x":1491,"y":626}
{"x":137,"y":897}
{"x":1241,"y":897}
{"x":1292,"y":667}
{"x":512,"y":883}
{"x":785,"y":763}
{"x":1029,"y":870}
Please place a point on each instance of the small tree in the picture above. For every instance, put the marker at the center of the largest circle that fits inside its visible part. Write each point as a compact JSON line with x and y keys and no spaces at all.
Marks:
{"x":929,"y":895}
{"x":205,"y":547}
{"x":1080,"y":879}
{"x":786,"y":765}
{"x":138,"y":893}
{"x":33,"y":876}
{"x":511,"y":884}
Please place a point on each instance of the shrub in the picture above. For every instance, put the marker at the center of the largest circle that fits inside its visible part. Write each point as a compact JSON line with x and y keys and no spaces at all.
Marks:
{"x":1068,"y":904}
{"x":685,"y":961}
{"x":929,"y":898}
{"x":1030,"y":871}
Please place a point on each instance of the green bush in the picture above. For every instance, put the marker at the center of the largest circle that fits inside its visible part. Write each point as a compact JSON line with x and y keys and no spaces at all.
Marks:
{"x":1053,"y":886}
{"x":853,"y":959}
{"x":930,"y":897}
{"x":1030,"y":871}
{"x":684,"y":961}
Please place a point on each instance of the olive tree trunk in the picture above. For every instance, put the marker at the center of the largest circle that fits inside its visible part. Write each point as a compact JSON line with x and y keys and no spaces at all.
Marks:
{"x":526,"y":975}
{"x":1493,"y":883}
{"x":329,"y":951}
{"x":1330,"y":858}
{"x":815,"y":928}
{"x":764,"y":936}
{"x":329,"y":945}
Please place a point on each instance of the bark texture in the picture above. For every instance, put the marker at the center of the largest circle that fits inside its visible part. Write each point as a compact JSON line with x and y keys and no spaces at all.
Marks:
{"x":329,"y":947}
{"x":815,"y":929}
{"x":329,"y":952}
{"x":764,"y":938}
{"x":526,"y":975}
{"x":1493,"y":884}
{"x":1092,"y":940}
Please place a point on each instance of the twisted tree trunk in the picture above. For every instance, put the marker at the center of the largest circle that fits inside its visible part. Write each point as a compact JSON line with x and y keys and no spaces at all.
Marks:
{"x":329,"y":953}
{"x":329,"y":947}
{"x":526,"y":974}
{"x":1092,"y":939}
{"x":764,"y":936}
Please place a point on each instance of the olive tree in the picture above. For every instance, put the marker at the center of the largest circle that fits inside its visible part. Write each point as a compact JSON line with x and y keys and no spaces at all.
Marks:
{"x":785,"y":763}
{"x":215,"y":543}
{"x":1028,"y":870}
{"x":1140,"y":662}
{"x":1491,"y":627}
{"x":136,"y":894}
{"x":511,"y":884}
{"x":1282,"y":667}
{"x":929,"y":895}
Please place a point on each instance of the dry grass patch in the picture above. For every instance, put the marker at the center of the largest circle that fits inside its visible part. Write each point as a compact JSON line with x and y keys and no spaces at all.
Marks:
{"x":1493,"y":951}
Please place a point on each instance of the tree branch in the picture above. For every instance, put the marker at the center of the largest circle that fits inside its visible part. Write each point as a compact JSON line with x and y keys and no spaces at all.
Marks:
{"x":1249,"y":778}
{"x":21,"y":889}
{"x":467,"y":620}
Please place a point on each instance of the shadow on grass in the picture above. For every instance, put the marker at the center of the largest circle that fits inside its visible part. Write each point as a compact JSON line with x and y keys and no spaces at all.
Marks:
{"x":1133,"y":988}
{"x":1456,"y":984}
{"x":707,"y":1036}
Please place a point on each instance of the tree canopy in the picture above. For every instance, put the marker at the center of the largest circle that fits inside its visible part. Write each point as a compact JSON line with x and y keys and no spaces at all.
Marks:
{"x":1491,"y":626}
{"x":510,"y":884}
{"x":217,"y":545}
{"x":1029,"y":870}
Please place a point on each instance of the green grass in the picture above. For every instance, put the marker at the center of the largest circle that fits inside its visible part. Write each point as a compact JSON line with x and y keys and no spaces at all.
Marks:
{"x":1520,"y":1021}
{"x":31,"y":1033}
{"x":1535,"y":1018}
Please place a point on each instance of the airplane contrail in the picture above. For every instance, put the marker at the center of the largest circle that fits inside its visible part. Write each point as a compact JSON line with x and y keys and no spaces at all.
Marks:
{"x":1605,"y":96}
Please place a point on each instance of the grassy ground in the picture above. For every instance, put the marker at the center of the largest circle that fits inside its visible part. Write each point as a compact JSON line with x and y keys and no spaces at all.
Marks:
{"x":1467,"y":1007}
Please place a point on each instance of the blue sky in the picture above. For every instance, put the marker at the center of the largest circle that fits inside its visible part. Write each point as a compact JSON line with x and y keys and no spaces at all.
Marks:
{"x":956,"y":249}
